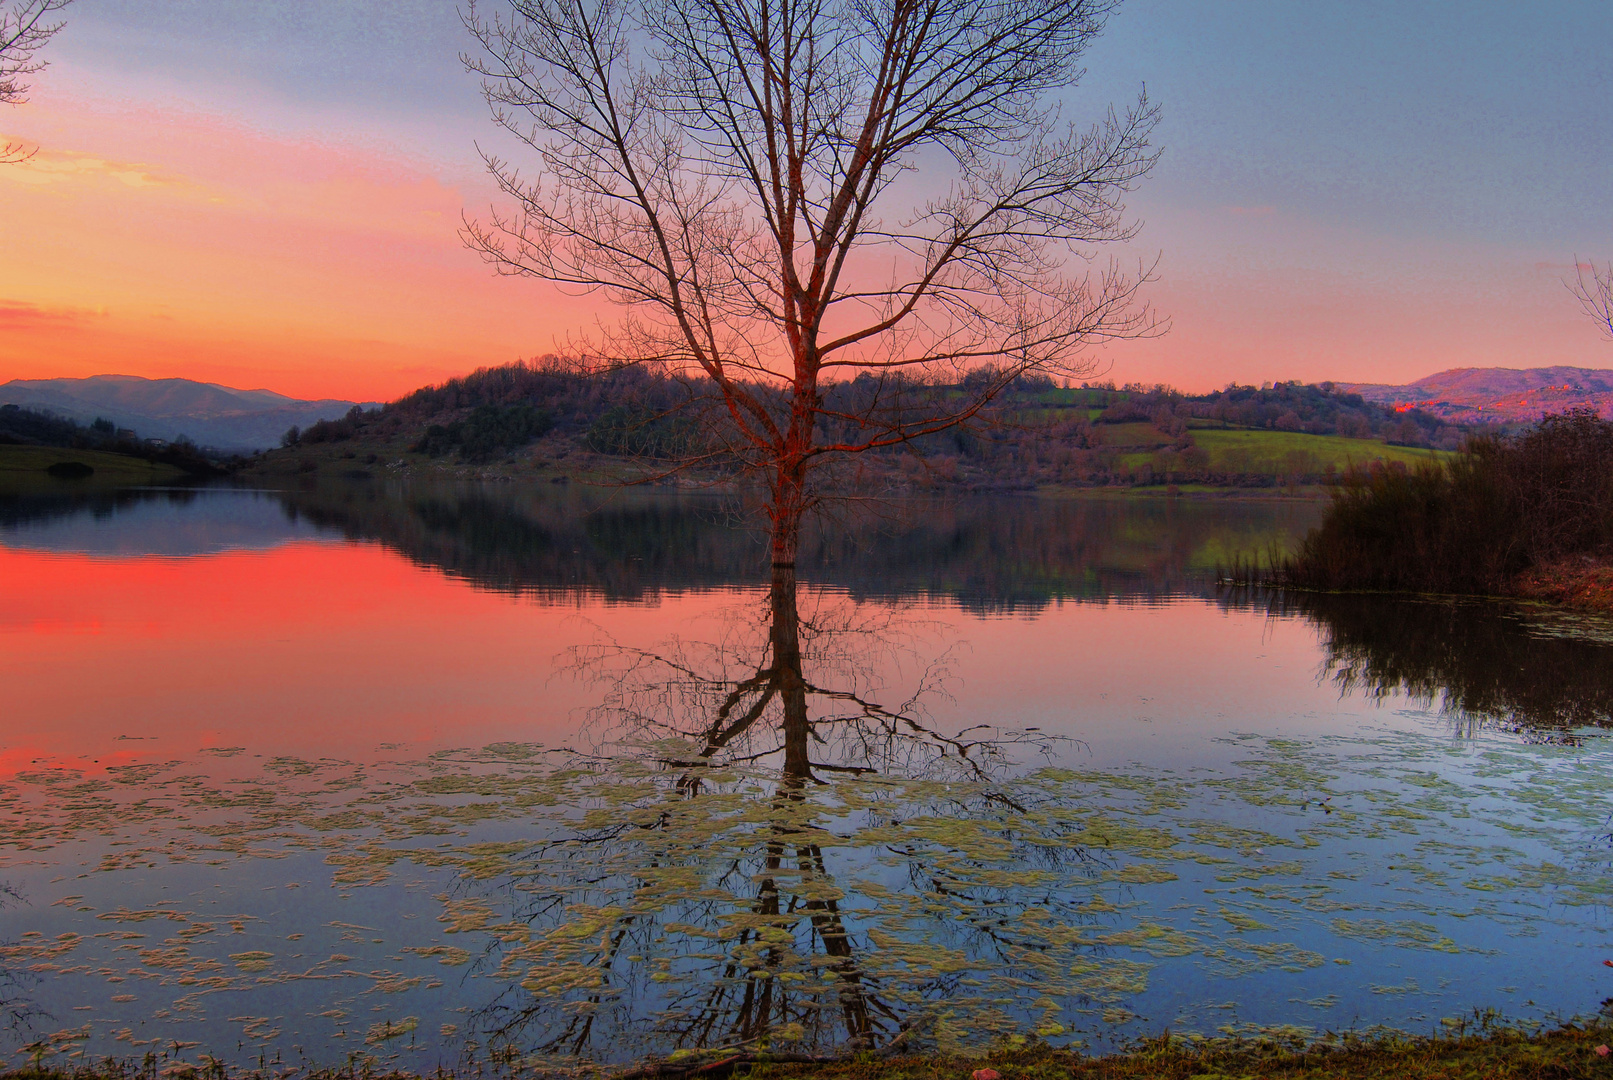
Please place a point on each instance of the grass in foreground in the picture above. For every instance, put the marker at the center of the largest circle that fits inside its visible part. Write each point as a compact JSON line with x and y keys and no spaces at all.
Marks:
{"x":1478,"y":1051}
{"x":1566,"y":1052}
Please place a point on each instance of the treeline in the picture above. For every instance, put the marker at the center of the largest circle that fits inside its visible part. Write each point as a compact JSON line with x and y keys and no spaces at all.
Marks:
{"x":1035,"y":433}
{"x":21,"y":426}
{"x":1315,"y":409}
{"x":1505,"y":506}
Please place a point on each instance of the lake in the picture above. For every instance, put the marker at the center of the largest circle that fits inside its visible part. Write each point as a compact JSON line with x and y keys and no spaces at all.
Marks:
{"x":426,"y":775}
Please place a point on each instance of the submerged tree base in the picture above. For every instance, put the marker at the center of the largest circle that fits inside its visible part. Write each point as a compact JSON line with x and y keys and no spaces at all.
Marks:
{"x":1476,"y":1049}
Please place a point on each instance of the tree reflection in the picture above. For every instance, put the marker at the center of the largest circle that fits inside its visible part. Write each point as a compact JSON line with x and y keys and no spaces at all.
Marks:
{"x":764,"y":851}
{"x":1483,"y":663}
{"x":17,"y":1013}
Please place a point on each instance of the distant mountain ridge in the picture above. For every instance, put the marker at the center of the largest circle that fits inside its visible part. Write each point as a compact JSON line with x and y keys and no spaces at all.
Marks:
{"x":208,"y":414}
{"x":1497,"y":395}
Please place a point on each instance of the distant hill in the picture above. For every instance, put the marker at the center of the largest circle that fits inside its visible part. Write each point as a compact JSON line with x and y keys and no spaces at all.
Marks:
{"x":1497,"y":395}
{"x":206,"y":413}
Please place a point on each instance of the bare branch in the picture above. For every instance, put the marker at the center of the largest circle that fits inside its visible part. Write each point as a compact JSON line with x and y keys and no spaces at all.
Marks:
{"x":25,"y":27}
{"x":1593,"y":285}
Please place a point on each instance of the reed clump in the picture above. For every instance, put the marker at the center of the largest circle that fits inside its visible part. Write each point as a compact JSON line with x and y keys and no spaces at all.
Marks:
{"x":1530,"y":514}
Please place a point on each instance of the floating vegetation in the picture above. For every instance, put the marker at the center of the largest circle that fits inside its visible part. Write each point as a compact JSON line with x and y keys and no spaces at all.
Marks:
{"x":597,"y":909}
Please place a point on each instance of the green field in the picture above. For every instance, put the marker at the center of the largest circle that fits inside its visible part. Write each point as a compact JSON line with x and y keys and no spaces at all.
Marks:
{"x":24,"y":467}
{"x":1283,"y":453}
{"x":1137,"y":433}
{"x":1273,"y":449}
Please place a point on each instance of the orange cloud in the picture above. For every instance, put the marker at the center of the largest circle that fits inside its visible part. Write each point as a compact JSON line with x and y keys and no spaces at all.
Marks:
{"x":67,"y":167}
{"x":210,"y":249}
{"x":18,"y":316}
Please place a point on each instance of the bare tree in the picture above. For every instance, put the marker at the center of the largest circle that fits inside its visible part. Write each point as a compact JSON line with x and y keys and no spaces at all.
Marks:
{"x":786,"y":195}
{"x":1594,"y":286}
{"x":25,"y":26}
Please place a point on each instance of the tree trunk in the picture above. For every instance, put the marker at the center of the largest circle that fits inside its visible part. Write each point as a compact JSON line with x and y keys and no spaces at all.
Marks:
{"x":786,"y":634}
{"x":785,"y":511}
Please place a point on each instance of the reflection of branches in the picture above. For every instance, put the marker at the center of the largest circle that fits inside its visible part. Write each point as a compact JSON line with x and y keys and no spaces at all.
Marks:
{"x":17,"y":1010}
{"x":704,"y":885}
{"x":732,"y":708}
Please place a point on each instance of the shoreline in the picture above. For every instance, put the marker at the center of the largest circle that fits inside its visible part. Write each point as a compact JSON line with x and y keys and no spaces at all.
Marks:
{"x":1578,"y":585}
{"x":1476,"y":1048}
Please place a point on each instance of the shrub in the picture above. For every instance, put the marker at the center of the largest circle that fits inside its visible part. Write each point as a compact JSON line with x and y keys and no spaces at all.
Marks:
{"x":635,"y":433}
{"x":1471,"y":525}
{"x":488,"y":431}
{"x":338,"y":430}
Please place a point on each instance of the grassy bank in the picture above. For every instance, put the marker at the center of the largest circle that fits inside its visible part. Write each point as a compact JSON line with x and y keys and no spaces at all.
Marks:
{"x":1283,"y":452}
{"x":1566,"y":1052}
{"x":26,"y":468}
{"x":1482,"y":1053}
{"x":1530,"y":515}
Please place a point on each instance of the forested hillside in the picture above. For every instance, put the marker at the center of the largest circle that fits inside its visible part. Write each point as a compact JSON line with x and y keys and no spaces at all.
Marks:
{"x":572,"y":421}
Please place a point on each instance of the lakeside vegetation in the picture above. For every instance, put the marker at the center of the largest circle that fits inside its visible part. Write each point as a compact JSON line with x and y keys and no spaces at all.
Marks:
{"x":1525,"y":515}
{"x":1476,"y":1049}
{"x":987,"y":553}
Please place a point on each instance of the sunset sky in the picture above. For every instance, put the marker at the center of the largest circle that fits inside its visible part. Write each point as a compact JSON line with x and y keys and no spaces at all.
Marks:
{"x":267,"y":193}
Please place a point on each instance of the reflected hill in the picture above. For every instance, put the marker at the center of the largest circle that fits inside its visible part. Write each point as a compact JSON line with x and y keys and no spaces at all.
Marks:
{"x":1486,"y":663}
{"x":147,"y":521}
{"x":987,"y":554}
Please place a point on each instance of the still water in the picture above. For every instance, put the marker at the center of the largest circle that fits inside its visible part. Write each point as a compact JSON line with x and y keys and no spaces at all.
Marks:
{"x":429,"y":775}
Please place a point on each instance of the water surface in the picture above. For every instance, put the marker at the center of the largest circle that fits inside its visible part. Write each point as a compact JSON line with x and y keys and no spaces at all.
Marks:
{"x":427,"y":774}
